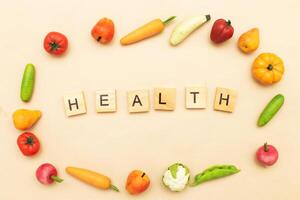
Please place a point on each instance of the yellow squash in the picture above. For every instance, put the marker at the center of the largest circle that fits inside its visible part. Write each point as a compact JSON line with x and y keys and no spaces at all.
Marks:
{"x":268,"y":68}
{"x":249,"y":41}
{"x":25,"y":119}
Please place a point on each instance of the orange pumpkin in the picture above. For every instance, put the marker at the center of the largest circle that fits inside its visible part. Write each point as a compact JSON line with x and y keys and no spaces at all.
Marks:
{"x":268,"y":68}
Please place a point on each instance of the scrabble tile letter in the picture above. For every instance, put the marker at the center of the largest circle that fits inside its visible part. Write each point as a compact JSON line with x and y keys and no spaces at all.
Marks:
{"x":195,"y":97}
{"x":164,"y":98}
{"x":74,"y":104}
{"x":225,"y":100}
{"x":106,"y":101}
{"x":138,"y":101}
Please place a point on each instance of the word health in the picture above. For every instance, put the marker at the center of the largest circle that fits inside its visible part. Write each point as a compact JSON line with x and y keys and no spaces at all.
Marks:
{"x":138,"y":101}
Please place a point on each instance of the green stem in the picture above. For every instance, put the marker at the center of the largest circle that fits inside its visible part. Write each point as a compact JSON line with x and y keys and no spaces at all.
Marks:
{"x":29,"y":140}
{"x":228,"y":22}
{"x":266,"y":148}
{"x":114,"y":188}
{"x":54,"y":46}
{"x":57,"y":179}
{"x":169,"y":20}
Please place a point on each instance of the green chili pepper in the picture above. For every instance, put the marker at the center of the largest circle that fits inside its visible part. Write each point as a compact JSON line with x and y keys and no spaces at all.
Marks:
{"x":28,"y":82}
{"x":270,"y":110}
{"x":215,"y":172}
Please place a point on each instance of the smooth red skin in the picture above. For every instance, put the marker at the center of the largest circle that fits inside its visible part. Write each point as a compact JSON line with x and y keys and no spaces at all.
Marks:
{"x":44,"y":173}
{"x":103,"y":31}
{"x":267,"y":158}
{"x":27,"y":149}
{"x":221,"y":31}
{"x":59,"y":39}
{"x":137,"y":184}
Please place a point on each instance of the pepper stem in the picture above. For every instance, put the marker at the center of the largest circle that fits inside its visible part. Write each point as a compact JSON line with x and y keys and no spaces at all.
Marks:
{"x":169,"y":20}
{"x":114,"y":188}
{"x":266,"y":148}
{"x":57,"y":179}
{"x":228,"y":22}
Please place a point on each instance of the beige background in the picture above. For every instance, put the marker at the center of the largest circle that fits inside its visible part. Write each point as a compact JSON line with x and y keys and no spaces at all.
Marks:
{"x":115,"y":144}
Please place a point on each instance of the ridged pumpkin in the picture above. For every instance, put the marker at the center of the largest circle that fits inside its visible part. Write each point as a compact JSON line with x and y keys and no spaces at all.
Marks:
{"x":268,"y":68}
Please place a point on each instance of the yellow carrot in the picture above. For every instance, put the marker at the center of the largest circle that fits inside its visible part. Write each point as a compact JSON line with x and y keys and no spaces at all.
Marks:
{"x":148,"y":30}
{"x":92,"y":178}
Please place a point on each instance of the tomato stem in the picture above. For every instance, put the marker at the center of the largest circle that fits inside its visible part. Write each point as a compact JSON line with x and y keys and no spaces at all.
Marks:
{"x":266,"y":148}
{"x":168,"y":20}
{"x":57,"y":179}
{"x":29,"y":141}
{"x":54,"y":46}
{"x":114,"y":188}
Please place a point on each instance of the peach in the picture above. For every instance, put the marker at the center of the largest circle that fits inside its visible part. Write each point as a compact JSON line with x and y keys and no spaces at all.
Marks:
{"x":103,"y":31}
{"x":137,"y":182}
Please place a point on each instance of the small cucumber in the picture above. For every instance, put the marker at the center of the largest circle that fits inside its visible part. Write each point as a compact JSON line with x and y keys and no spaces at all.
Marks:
{"x":28,"y":82}
{"x":270,"y":110}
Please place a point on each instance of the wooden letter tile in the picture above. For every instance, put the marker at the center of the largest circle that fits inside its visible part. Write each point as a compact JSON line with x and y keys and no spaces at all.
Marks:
{"x":138,"y":101}
{"x":164,"y":98}
{"x":106,"y":101}
{"x":225,"y":100}
{"x":74,"y":104}
{"x":195,"y":97}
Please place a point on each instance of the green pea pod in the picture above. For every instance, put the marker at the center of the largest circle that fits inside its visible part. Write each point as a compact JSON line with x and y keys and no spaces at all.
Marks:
{"x":214,"y":172}
{"x":28,"y":82}
{"x":270,"y":110}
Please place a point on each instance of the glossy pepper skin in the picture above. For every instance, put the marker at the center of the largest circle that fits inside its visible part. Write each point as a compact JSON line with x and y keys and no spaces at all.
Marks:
{"x":267,"y":155}
{"x":55,"y":43}
{"x":221,"y":31}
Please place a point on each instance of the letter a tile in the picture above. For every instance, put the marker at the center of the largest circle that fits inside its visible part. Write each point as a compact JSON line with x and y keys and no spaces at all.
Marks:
{"x":225,"y":100}
{"x":138,"y":101}
{"x":74,"y":104}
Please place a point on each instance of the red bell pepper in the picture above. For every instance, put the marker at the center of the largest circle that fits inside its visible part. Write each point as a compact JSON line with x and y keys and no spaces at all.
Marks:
{"x":221,"y":31}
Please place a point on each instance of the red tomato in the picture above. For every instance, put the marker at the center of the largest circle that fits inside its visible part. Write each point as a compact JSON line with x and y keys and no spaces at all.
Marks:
{"x":103,"y":31}
{"x":55,"y":43}
{"x":221,"y":31}
{"x":28,"y":143}
{"x":267,"y":155}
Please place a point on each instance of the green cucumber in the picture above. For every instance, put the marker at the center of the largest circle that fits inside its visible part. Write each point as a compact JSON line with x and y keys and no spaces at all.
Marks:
{"x":270,"y":110}
{"x":27,"y":85}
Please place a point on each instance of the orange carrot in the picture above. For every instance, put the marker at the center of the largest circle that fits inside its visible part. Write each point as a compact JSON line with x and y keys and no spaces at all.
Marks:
{"x":92,"y":178}
{"x":148,"y":30}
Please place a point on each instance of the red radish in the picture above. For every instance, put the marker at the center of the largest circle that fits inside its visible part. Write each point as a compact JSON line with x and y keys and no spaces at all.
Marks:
{"x":267,"y":154}
{"x":47,"y":174}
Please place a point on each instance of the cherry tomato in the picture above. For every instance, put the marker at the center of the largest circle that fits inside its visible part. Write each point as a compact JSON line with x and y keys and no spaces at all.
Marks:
{"x":221,"y":31}
{"x":55,"y":43}
{"x":28,"y":143}
{"x":103,"y":31}
{"x":267,"y":155}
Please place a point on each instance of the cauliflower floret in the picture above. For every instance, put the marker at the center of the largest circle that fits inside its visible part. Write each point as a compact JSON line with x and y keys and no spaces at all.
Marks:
{"x":176,"y":177}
